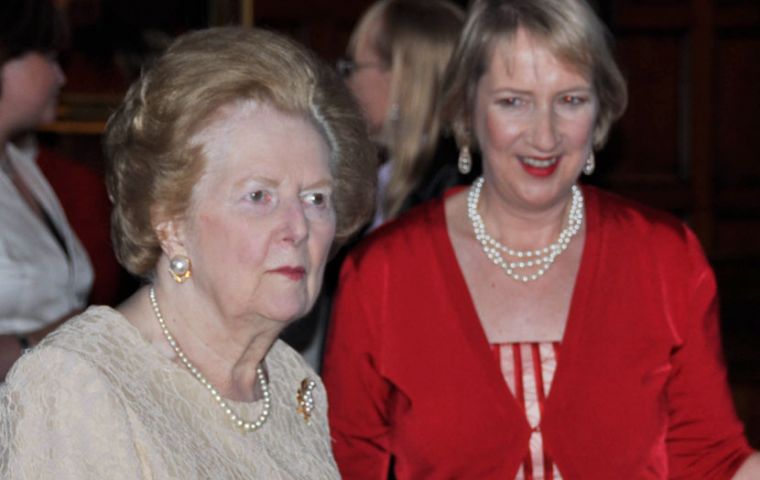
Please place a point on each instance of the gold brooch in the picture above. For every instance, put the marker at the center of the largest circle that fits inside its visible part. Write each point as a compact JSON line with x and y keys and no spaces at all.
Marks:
{"x":305,"y":399}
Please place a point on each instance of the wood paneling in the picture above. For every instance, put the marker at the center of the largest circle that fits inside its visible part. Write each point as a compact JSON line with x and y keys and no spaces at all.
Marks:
{"x":737,"y":109}
{"x":648,"y":147}
{"x":323,"y":25}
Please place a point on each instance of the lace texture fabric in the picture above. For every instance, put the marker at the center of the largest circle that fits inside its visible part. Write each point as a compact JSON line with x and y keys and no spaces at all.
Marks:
{"x":94,"y":400}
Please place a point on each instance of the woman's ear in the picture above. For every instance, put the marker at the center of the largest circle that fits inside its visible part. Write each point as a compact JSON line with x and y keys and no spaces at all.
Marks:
{"x":171,"y":235}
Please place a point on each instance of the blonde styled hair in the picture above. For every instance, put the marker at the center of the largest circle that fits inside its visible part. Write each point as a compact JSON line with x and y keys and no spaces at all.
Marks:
{"x":569,"y":28}
{"x":154,"y":164}
{"x":415,"y":39}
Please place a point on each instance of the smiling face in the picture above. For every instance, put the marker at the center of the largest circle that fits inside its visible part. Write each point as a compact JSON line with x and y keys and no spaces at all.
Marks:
{"x":261,"y":219}
{"x":533,"y":119}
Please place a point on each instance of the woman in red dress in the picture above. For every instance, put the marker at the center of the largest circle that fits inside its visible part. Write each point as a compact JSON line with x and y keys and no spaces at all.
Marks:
{"x":528,"y":326}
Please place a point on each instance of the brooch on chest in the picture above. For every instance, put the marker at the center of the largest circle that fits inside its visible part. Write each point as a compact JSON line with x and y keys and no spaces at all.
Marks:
{"x":305,"y":399}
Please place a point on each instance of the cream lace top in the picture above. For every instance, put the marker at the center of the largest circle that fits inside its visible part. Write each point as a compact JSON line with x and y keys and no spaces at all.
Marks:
{"x":94,"y":400}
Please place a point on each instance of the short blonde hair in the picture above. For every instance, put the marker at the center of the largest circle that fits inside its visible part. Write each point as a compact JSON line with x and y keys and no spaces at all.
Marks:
{"x":154,"y":165}
{"x":570,"y":29}
{"x":415,"y":39}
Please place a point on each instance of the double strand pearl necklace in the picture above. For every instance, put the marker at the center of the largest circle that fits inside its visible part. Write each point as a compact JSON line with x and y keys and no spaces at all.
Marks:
{"x":244,"y":425}
{"x":539,"y":260}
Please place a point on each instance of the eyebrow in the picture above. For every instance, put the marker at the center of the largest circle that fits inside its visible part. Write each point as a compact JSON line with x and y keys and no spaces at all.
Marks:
{"x":270,"y":182}
{"x":588,"y":89}
{"x":497,"y":91}
{"x":244,"y":182}
{"x":325,"y":182}
{"x":579,"y":88}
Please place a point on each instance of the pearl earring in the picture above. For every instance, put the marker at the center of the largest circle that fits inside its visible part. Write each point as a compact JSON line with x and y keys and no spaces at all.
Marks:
{"x":588,"y":167}
{"x":465,"y":160}
{"x":179,"y":267}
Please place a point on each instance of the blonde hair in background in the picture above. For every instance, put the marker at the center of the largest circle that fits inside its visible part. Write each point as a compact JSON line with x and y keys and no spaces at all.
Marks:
{"x":571,"y":30}
{"x":415,"y":39}
{"x":153,"y":163}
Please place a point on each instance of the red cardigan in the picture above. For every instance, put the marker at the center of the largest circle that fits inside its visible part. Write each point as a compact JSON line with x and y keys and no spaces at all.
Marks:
{"x":640,"y":389}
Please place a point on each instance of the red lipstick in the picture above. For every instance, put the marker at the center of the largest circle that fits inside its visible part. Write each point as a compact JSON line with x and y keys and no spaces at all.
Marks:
{"x":530,"y":165}
{"x":293,"y":273}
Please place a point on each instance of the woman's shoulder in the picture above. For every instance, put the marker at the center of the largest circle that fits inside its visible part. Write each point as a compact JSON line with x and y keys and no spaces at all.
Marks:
{"x":82,"y":344}
{"x":409,"y":234}
{"x":614,"y":210}
{"x":67,"y":357}
{"x":55,"y":397}
{"x":85,"y":331}
{"x":632,"y":225}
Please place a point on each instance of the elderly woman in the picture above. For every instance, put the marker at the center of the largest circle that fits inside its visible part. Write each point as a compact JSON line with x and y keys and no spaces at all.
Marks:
{"x":450,"y":324}
{"x":45,"y":273}
{"x":234,"y":162}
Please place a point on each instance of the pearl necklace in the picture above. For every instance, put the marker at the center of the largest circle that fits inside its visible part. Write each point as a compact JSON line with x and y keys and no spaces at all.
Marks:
{"x":540,"y":259}
{"x":246,"y":426}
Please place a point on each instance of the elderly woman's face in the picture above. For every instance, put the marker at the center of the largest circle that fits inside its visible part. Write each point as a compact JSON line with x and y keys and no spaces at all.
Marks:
{"x":533,"y":118}
{"x":261,"y":219}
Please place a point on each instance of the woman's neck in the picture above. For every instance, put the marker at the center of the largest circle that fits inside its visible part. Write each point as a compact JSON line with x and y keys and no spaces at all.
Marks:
{"x":226,"y":358}
{"x":522,"y":228}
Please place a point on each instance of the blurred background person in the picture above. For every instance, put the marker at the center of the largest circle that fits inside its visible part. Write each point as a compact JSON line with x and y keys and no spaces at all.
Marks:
{"x":45,"y":273}
{"x":397,"y":55}
{"x":528,"y":326}
{"x":234,"y":162}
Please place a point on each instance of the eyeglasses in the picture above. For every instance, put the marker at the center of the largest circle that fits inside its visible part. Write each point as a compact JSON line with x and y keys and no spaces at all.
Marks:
{"x":347,"y":67}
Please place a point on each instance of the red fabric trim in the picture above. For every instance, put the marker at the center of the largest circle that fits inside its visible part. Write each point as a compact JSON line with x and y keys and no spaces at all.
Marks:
{"x":541,"y":394}
{"x":520,"y":395}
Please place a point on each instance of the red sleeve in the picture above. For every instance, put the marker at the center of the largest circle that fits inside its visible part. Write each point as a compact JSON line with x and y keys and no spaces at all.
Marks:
{"x":705,"y":438}
{"x":357,"y":392}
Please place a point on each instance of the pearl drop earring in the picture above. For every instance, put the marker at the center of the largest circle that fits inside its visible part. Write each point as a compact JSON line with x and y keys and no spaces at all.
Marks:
{"x":465,"y":160}
{"x":179,"y":267}
{"x":588,"y":167}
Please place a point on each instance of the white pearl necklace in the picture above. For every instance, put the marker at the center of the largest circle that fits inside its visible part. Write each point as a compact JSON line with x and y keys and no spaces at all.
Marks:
{"x":541,"y":259}
{"x":245,"y":425}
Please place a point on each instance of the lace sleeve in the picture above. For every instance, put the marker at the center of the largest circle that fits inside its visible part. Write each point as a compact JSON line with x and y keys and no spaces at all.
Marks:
{"x":59,"y":418}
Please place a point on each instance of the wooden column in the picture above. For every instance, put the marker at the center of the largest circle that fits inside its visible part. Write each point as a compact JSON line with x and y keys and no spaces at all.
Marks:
{"x":701,"y":56}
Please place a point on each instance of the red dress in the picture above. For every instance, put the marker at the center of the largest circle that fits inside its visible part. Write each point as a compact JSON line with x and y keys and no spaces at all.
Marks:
{"x":639,"y":392}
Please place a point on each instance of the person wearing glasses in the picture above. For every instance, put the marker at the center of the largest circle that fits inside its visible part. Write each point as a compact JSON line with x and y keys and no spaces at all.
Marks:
{"x":529,"y":326}
{"x":397,"y":56}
